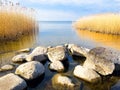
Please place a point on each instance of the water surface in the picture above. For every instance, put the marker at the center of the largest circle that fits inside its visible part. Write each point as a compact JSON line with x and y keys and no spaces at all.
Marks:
{"x":56,"y":33}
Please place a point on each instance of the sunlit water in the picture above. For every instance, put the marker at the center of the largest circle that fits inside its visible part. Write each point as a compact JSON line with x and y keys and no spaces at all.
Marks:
{"x":57,"y":33}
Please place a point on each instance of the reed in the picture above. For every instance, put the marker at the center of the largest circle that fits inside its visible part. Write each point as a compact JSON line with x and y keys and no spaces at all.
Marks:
{"x":14,"y":24}
{"x":104,"y":23}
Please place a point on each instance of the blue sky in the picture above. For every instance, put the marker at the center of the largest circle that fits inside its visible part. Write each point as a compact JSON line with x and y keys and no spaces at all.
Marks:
{"x":47,"y":10}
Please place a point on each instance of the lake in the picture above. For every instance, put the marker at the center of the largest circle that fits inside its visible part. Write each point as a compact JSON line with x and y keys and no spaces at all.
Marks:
{"x":52,"y":33}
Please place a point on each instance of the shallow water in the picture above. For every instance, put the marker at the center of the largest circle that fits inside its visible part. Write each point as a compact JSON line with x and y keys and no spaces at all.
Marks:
{"x":56,"y":33}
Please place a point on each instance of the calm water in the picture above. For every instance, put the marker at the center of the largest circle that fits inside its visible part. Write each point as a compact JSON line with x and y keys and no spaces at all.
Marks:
{"x":56,"y":33}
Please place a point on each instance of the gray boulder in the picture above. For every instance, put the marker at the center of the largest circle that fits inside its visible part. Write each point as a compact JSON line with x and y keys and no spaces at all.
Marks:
{"x":86,"y":74}
{"x":100,"y":60}
{"x":30,"y":70}
{"x":12,"y":82}
{"x":56,"y":53}
{"x":57,"y":66}
{"x":107,"y":54}
{"x":19,"y":58}
{"x":38,"y":54}
{"x":6,"y":67}
{"x":78,"y":51}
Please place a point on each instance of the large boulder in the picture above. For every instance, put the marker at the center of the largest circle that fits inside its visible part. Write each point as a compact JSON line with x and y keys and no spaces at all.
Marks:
{"x":30,"y":70}
{"x":19,"y":57}
{"x":78,"y":51}
{"x":6,"y":67}
{"x":105,"y":53}
{"x":12,"y":82}
{"x":38,"y":54}
{"x":57,"y":66}
{"x":61,"y":82}
{"x":100,"y":59}
{"x":56,"y":53}
{"x":86,"y":74}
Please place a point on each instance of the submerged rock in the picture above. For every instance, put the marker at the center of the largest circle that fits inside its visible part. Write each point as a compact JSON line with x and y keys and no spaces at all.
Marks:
{"x":78,"y":51}
{"x":86,"y":74}
{"x":30,"y":70}
{"x":6,"y":67}
{"x":61,"y":82}
{"x":99,"y":60}
{"x":57,"y":66}
{"x":38,"y":54}
{"x":12,"y":82}
{"x":56,"y":54}
{"x":19,"y":58}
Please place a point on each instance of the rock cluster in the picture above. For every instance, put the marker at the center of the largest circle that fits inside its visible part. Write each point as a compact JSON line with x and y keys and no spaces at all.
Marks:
{"x":99,"y":62}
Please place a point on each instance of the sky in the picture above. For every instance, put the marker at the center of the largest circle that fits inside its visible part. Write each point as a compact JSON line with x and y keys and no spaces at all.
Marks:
{"x":70,"y":10}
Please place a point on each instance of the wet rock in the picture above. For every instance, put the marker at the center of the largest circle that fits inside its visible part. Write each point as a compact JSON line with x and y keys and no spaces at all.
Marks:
{"x":56,"y":53}
{"x":61,"y":82}
{"x":57,"y":66}
{"x":12,"y":82}
{"x":30,"y":70}
{"x":116,"y":86}
{"x":99,"y":60}
{"x":6,"y":68}
{"x":38,"y":54}
{"x":19,"y":58}
{"x":78,"y":51}
{"x":86,"y":74}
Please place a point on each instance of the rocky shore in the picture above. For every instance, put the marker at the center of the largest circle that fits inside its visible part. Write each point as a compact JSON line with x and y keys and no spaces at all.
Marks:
{"x":99,"y":62}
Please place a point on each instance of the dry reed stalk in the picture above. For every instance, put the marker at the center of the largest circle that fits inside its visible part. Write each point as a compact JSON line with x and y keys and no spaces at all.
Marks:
{"x":104,"y":23}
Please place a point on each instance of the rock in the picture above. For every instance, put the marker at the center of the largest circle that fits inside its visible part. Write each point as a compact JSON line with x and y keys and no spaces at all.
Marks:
{"x":19,"y":58}
{"x":6,"y":67}
{"x":108,"y":54}
{"x":61,"y":82}
{"x":12,"y":82}
{"x":30,"y":70}
{"x":57,"y":66}
{"x":38,"y":54}
{"x":56,"y":53}
{"x":116,"y":86}
{"x":99,"y":60}
{"x":78,"y":51}
{"x":86,"y":74}
{"x":24,"y":50}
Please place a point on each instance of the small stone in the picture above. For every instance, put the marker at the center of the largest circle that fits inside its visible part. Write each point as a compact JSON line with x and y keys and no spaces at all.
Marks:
{"x":12,"y":82}
{"x":38,"y":54}
{"x":6,"y":67}
{"x":19,"y":58}
{"x":86,"y":74}
{"x":61,"y":82}
{"x":57,"y":66}
{"x":57,"y":53}
{"x":30,"y":70}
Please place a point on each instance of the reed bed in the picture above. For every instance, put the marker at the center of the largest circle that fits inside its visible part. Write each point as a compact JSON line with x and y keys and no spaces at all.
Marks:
{"x":15,"y":22}
{"x":104,"y":23}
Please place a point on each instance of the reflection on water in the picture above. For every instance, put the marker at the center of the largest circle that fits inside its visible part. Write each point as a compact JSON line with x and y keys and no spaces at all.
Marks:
{"x":106,"y":40}
{"x":7,"y":48}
